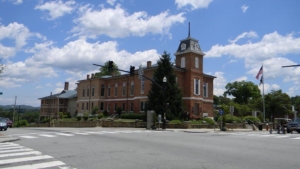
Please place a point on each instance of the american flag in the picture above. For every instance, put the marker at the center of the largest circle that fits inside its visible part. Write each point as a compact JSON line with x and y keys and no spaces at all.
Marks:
{"x":259,"y":72}
{"x":261,"y":80}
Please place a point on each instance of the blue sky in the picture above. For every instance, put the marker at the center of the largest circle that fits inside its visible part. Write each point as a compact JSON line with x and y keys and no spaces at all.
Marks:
{"x":46,"y":43}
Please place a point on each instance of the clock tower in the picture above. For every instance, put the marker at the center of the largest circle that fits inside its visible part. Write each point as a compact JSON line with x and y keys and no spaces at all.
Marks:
{"x":198,"y":93}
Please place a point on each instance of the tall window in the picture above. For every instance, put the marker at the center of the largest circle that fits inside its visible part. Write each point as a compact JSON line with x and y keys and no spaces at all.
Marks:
{"x":196,"y":62}
{"x":93,"y":90}
{"x":101,"y":106}
{"x":183,"y":62}
{"x":82,"y":106}
{"x":205,"y":89}
{"x":108,"y":90}
{"x":123,"y":106}
{"x":87,"y":106}
{"x":124,"y":89}
{"x":88,"y":92}
{"x":132,"y":89}
{"x":131,"y":107}
{"x":142,"y":106}
{"x":116,"y":89}
{"x":83,"y":92}
{"x":102,"y":89}
{"x":142,"y":85}
{"x":108,"y":107}
{"x":196,"y":86}
{"x":116,"y":107}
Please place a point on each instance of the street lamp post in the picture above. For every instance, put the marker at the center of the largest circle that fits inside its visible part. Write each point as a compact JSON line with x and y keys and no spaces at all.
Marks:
{"x":165,"y":104}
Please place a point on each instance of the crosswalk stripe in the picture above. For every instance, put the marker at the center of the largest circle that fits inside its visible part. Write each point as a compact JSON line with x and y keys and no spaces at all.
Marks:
{"x":16,"y":150}
{"x":15,"y":160}
{"x":28,"y":137}
{"x":20,"y":154}
{"x":82,"y":133}
{"x":64,"y":134}
{"x":296,"y":138}
{"x":8,"y":148}
{"x":39,"y":165}
{"x":281,"y":136}
{"x":47,"y":135}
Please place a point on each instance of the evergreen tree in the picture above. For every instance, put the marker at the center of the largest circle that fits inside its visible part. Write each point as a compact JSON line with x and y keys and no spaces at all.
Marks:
{"x":166,"y":98}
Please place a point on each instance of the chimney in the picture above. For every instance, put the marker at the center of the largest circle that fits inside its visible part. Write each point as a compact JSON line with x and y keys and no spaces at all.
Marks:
{"x":148,"y":64}
{"x":66,"y":86}
{"x":88,"y":76}
{"x":92,"y":75}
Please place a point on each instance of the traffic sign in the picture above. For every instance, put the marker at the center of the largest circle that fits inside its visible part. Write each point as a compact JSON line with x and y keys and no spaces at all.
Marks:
{"x":221,"y":112}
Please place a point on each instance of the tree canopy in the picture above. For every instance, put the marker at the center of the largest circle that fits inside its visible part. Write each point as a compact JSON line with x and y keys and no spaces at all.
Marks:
{"x":242,"y":91}
{"x":104,"y":71}
{"x":169,"y":93}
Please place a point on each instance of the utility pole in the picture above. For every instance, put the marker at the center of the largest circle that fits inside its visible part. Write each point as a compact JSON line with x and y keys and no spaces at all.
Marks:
{"x":14,"y":108}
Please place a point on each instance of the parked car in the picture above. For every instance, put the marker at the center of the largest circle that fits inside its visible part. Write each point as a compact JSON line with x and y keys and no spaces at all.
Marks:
{"x":9,"y":123}
{"x":3,"y":124}
{"x":294,"y":125}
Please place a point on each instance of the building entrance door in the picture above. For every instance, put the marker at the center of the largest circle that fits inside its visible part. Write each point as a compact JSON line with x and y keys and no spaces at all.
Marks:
{"x":196,"y":109}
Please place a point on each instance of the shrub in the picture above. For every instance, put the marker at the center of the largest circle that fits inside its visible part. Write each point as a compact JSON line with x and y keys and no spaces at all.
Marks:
{"x":105,"y":113}
{"x":78,"y":118}
{"x":251,"y":119}
{"x":100,"y":116}
{"x":119,"y":111}
{"x":133,"y":116}
{"x":175,"y":122}
{"x":61,"y":115}
{"x":85,"y":116}
{"x":21,"y":123}
{"x":209,"y":120}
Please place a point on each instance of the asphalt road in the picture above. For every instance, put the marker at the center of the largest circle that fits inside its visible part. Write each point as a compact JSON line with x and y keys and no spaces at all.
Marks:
{"x":122,"y":148}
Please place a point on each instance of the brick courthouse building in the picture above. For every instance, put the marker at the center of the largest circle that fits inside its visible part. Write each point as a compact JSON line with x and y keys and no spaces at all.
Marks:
{"x":130,"y":93}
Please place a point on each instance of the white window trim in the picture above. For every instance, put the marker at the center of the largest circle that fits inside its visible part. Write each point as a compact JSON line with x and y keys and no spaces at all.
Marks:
{"x":195,"y":82}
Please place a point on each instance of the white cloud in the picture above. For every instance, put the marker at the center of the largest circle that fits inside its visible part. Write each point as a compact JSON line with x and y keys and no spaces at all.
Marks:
{"x":195,"y":4}
{"x":250,"y":34}
{"x":117,"y":23}
{"x":244,"y":8}
{"x":219,"y":84}
{"x":243,"y":78}
{"x":57,"y":8}
{"x":19,"y":33}
{"x":111,"y":2}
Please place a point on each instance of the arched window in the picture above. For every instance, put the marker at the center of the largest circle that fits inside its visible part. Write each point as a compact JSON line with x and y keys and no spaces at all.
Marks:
{"x":196,"y":62}
{"x":183,"y":62}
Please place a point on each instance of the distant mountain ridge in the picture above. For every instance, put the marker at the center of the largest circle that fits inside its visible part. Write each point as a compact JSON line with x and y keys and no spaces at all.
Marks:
{"x":5,"y":107}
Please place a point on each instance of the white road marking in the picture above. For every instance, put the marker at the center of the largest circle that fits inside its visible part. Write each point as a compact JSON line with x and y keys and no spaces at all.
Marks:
{"x":20,"y":154}
{"x":8,"y":148}
{"x":17,"y":150}
{"x":281,"y":136}
{"x":47,"y":135}
{"x":39,"y":165}
{"x":28,"y":137}
{"x":15,"y":160}
{"x":82,"y":133}
{"x":64,"y":134}
{"x":296,"y":138}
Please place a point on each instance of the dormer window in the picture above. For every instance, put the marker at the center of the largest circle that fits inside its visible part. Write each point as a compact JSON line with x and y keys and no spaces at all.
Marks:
{"x":183,"y":62}
{"x":183,"y":46}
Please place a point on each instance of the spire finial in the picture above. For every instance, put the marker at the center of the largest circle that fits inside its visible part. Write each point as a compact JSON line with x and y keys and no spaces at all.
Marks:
{"x":189,"y":30}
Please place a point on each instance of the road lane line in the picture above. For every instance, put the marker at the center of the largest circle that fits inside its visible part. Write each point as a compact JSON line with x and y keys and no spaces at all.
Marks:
{"x":20,"y":154}
{"x":15,"y":160}
{"x":47,"y":135}
{"x":39,"y":165}
{"x":30,"y":137}
{"x":64,"y":134}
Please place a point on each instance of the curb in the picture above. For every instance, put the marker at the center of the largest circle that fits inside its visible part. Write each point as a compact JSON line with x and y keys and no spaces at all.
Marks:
{"x":4,"y":139}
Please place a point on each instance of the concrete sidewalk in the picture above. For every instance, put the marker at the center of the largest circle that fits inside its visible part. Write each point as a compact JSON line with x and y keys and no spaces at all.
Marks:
{"x":4,"y":138}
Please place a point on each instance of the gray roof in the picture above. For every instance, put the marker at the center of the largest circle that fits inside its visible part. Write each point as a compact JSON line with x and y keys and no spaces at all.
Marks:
{"x":65,"y":94}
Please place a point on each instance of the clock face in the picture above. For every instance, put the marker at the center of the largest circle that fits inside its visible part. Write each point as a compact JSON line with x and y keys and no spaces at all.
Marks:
{"x":183,"y":46}
{"x":197,"y":47}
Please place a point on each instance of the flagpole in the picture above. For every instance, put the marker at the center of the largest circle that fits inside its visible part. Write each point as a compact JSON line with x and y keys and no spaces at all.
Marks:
{"x":263,"y":83}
